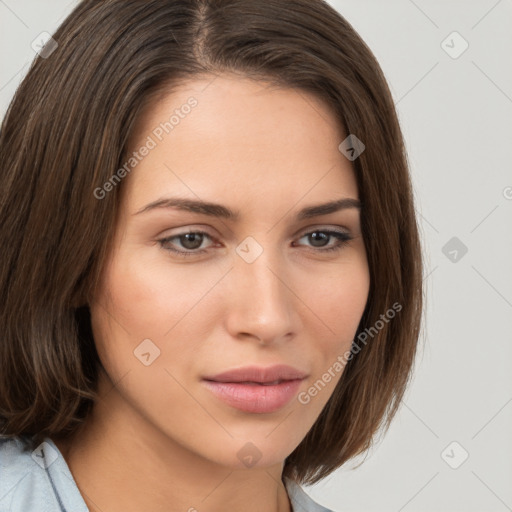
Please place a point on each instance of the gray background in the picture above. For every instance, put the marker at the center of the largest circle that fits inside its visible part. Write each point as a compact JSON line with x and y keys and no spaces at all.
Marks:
{"x":456,"y":115}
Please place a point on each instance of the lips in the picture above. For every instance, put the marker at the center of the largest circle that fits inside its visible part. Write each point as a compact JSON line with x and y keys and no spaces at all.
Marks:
{"x":259,"y":375}
{"x":254,"y":389}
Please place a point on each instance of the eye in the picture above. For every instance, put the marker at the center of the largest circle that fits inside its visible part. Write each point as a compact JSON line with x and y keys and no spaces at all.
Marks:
{"x":320,"y":236}
{"x":192,"y":241}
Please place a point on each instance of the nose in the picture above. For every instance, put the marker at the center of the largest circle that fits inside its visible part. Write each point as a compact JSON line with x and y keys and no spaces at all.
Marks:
{"x":261,"y":304}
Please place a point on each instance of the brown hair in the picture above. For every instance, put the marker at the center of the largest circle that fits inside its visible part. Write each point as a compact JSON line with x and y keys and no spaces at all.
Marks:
{"x":65,"y":134}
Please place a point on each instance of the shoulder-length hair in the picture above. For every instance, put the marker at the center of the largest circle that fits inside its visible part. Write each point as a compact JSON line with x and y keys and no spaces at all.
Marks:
{"x":66,"y":133}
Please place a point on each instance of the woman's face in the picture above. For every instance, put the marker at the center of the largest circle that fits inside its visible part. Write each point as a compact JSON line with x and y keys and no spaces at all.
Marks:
{"x":248,"y":291}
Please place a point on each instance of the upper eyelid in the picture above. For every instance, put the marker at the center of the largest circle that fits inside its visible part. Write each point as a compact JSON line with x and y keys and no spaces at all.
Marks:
{"x":305,"y":230}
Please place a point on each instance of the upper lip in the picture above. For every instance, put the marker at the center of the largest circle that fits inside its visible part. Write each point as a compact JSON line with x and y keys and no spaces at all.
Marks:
{"x":259,"y":374}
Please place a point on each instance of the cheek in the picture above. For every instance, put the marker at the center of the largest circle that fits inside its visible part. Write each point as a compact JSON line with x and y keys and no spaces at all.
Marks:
{"x":143,"y":308}
{"x":149,"y":299}
{"x":143,"y":299}
{"x":340,"y":309}
{"x":339,"y":303}
{"x":340,"y":298}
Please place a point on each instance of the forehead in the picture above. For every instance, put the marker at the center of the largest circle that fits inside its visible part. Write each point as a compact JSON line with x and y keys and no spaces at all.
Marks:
{"x":228,"y":136}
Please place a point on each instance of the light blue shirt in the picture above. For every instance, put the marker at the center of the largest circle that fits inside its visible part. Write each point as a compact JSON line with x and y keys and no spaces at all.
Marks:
{"x":40,"y":481}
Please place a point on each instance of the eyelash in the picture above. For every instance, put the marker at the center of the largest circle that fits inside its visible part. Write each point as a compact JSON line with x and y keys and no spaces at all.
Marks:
{"x":342,"y":237}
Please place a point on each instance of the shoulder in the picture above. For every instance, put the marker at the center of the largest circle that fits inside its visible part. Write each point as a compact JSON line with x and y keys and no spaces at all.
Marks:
{"x":24,"y":483}
{"x":302,"y":502}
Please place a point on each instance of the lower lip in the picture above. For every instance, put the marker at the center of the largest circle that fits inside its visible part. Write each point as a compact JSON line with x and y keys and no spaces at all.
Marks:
{"x":255,"y":398}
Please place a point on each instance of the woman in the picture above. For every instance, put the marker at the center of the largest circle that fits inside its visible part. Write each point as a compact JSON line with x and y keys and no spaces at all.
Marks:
{"x":210,"y":266}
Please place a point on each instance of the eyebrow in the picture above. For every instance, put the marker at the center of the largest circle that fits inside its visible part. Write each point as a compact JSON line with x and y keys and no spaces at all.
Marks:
{"x":218,"y":210}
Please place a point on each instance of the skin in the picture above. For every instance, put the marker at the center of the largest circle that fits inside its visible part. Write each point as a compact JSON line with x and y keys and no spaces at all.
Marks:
{"x":158,"y":440}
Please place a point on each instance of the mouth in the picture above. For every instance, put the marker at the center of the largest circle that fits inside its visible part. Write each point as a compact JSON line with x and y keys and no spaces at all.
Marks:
{"x":256,"y":389}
